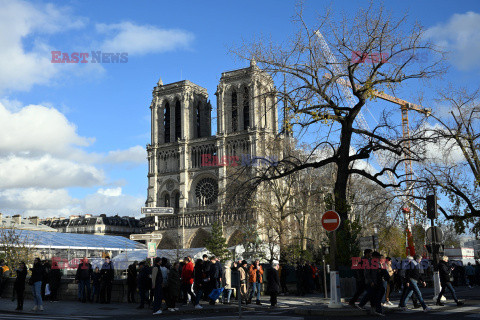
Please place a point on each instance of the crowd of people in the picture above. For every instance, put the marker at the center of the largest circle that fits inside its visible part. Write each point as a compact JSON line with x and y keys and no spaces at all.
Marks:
{"x":376,"y":279}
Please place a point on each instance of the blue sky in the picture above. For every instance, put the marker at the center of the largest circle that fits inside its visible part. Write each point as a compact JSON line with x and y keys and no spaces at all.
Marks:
{"x":73,"y":136}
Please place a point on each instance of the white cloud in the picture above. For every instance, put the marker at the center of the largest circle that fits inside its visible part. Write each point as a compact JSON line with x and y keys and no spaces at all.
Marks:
{"x":22,"y":68}
{"x":112,"y":192}
{"x":47,"y":172}
{"x":34,"y":199}
{"x":112,"y":201}
{"x":136,"y":39}
{"x":38,"y":129}
{"x":43,"y":203}
{"x":460,"y":36}
{"x":136,"y":154}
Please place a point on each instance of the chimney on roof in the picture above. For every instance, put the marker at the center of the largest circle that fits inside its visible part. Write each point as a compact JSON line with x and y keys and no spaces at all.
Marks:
{"x":17,"y":219}
{"x":88,"y":215}
{"x":73,"y":217}
{"x":34,"y":220}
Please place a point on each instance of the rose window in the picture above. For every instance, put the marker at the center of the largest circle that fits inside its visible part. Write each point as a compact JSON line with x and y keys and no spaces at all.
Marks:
{"x":206,"y":191}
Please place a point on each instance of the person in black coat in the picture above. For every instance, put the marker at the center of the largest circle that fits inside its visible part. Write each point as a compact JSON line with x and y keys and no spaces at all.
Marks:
{"x":444,"y":271}
{"x":132,"y":282}
{"x":143,"y":283}
{"x":19,"y":285}
{"x":95,"y":285}
{"x":54,"y":277}
{"x":273,"y":284}
{"x":107,"y":274}
{"x":84,"y":276}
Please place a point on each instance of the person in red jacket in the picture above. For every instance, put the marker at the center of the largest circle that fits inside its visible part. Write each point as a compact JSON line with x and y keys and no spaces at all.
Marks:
{"x":187,"y":280}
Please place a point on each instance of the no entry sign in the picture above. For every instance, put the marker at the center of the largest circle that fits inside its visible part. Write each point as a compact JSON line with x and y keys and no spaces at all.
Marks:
{"x":330,"y":220}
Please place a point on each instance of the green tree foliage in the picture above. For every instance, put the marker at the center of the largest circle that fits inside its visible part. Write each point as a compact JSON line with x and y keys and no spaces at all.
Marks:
{"x":391,"y":241}
{"x":216,"y":243}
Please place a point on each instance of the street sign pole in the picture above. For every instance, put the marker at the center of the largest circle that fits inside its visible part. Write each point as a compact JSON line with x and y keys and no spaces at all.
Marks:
{"x":331,"y":222}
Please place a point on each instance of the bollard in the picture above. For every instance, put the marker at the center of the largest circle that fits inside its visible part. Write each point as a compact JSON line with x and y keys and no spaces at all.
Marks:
{"x":335,"y":290}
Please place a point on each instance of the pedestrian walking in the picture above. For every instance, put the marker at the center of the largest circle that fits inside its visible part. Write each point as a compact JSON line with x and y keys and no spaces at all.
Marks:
{"x":444,"y":271}
{"x":143,"y":281}
{"x":199,"y":282}
{"x":157,"y":286}
{"x":173,"y":287}
{"x":187,"y":280}
{"x":227,"y":282}
{"x":413,"y":279}
{"x":36,"y":282}
{"x":470,"y":274}
{"x":214,"y":276}
{"x":19,"y":285}
{"x":359,"y":274}
{"x":132,"y":282}
{"x":273,"y":284}
{"x":390,"y":282}
{"x":255,"y":274}
{"x":243,"y":281}
{"x":375,"y":275}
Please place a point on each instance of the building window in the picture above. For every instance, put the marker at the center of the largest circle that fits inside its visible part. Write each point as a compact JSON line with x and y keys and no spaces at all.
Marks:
{"x":178,"y":120}
{"x":234,"y":111}
{"x":206,"y":191}
{"x":177,"y":200}
{"x":166,"y":122}
{"x":167,"y":200}
{"x":246,"y":109}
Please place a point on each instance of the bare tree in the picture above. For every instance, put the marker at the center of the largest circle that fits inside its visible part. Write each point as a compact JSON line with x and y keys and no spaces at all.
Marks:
{"x":453,"y":166}
{"x":15,"y":246}
{"x":315,"y":106}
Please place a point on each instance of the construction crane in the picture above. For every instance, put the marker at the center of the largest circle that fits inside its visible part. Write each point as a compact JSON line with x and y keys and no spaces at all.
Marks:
{"x":404,"y":107}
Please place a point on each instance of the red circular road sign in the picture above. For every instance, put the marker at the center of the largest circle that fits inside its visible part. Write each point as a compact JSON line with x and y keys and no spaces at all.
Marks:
{"x":330,"y":220}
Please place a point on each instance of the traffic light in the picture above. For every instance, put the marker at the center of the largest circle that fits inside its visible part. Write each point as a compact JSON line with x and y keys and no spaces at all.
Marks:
{"x":432,"y":207}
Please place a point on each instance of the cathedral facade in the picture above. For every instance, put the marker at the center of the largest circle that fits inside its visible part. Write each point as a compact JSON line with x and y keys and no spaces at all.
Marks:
{"x":187,"y":165}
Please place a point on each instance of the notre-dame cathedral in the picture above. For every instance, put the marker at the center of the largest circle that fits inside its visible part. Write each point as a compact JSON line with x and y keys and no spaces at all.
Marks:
{"x":184,"y":169}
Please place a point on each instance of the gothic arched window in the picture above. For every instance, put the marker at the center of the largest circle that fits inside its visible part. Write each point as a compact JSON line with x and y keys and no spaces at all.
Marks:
{"x":166,"y":121}
{"x":234,"y":111}
{"x":177,"y":200}
{"x":178,"y":120}
{"x":246,"y":109}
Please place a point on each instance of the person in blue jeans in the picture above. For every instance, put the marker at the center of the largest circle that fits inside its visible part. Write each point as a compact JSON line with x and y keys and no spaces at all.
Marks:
{"x":444,"y":271}
{"x":413,"y":278}
{"x":36,"y":283}
{"x":255,"y":273}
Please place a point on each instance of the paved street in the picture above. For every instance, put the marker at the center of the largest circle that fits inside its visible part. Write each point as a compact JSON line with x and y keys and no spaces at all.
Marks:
{"x":290,"y":307}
